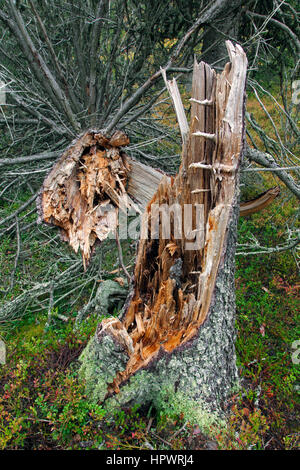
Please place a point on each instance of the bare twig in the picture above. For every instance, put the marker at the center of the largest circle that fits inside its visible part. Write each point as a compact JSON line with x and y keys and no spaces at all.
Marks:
{"x":20,"y":209}
{"x":30,"y":158}
{"x":208,"y":14}
{"x":268,"y":250}
{"x":281,"y":25}
{"x":42,"y":72}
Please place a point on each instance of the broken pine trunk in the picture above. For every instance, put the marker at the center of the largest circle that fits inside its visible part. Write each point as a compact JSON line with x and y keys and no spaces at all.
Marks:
{"x":174,"y":345}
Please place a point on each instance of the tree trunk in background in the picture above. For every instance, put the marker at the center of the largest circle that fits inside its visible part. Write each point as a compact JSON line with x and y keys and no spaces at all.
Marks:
{"x":174,"y":346}
{"x":214,"y":48}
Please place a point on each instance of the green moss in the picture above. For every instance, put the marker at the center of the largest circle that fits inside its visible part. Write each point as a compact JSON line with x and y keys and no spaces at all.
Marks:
{"x":176,"y":404}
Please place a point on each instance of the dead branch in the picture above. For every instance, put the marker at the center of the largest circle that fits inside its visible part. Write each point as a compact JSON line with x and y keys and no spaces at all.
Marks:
{"x":280,"y":24}
{"x":12,"y":277}
{"x":29,"y":158}
{"x":42,"y":72}
{"x":266,"y":160}
{"x":208,"y":14}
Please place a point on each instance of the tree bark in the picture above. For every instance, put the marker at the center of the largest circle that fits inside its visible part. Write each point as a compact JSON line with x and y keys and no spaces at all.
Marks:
{"x":174,"y":345}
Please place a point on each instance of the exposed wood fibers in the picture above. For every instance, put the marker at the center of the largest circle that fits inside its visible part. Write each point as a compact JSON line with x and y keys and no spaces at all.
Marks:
{"x":81,"y":194}
{"x":173,"y":286}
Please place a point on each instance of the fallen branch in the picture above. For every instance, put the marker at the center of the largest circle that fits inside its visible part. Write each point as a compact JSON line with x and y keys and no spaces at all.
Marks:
{"x":267,"y":161}
{"x":30,"y":158}
{"x":260,"y":202}
{"x":268,"y":250}
{"x":12,"y":277}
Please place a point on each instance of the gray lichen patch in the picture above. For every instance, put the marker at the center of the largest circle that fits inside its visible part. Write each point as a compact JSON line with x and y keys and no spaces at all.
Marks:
{"x":174,"y":387}
{"x":100,"y":362}
{"x":109,"y":296}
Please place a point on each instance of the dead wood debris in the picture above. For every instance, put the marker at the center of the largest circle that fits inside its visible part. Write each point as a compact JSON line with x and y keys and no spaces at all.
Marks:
{"x":89,"y":184}
{"x":260,"y":202}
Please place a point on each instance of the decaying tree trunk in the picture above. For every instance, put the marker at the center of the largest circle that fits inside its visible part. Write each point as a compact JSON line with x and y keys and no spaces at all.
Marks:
{"x":174,"y":345}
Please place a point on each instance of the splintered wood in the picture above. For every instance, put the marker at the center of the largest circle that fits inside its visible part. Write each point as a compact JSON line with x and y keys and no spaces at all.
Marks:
{"x":174,"y":281}
{"x":85,"y":188}
{"x":89,"y":184}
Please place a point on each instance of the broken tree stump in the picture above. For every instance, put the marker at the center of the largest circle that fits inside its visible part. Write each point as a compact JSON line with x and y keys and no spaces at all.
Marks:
{"x":174,"y":345}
